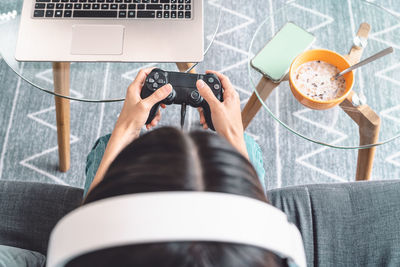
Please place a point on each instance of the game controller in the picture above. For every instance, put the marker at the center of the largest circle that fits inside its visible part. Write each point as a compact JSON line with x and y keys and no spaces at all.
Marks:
{"x":184,"y":90}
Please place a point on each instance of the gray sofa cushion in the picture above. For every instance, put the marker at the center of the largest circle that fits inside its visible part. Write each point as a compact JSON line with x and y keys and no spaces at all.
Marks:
{"x":351,"y":224}
{"x":29,"y":211}
{"x":18,"y":257}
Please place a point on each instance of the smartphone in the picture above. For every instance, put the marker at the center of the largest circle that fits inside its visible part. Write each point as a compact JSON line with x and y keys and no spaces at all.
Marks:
{"x":273,"y":61}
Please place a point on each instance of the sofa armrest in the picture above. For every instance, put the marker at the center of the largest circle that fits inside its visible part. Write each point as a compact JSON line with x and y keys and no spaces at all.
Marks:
{"x":29,"y":211}
{"x":349,"y":224}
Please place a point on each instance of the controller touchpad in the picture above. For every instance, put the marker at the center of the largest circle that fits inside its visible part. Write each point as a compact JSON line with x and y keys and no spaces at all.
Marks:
{"x":185,"y":80}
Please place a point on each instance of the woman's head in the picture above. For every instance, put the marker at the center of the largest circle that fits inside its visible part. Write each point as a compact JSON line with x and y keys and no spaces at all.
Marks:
{"x":167,"y":159}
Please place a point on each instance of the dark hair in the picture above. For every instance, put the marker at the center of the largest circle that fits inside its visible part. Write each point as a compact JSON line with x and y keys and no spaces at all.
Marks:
{"x":168,"y":159}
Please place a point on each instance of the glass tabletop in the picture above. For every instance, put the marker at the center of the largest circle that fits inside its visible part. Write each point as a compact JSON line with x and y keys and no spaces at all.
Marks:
{"x":335,"y":24}
{"x":87,"y":79}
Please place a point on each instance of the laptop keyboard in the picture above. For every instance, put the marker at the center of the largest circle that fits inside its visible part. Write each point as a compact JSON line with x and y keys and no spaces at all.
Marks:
{"x":122,"y":9}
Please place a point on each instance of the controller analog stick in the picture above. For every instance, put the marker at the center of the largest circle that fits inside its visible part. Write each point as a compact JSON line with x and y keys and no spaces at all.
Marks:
{"x":170,"y":98}
{"x":196,"y":97}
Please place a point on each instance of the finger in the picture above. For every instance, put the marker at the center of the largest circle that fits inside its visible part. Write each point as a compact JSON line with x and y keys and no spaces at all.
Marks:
{"x":205,"y":126}
{"x":153,"y":123}
{"x":163,"y":105}
{"x":229,"y":90}
{"x":207,"y":94}
{"x":202,"y":117}
{"x":157,"y":117}
{"x":158,"y":95}
{"x":140,"y":78}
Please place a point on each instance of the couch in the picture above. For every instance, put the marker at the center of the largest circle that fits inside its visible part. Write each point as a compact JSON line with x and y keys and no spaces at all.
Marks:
{"x":348,"y":224}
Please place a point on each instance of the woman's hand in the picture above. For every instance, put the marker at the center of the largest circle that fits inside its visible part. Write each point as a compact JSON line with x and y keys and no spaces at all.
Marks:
{"x":136,"y":110}
{"x":226,"y":116}
{"x":130,"y":121}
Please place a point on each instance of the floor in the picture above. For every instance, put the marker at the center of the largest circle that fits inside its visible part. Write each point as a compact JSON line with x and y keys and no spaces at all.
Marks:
{"x":28,"y":138}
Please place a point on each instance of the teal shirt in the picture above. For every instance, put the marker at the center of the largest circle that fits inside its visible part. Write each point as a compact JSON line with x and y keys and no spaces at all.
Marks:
{"x":94,"y":158}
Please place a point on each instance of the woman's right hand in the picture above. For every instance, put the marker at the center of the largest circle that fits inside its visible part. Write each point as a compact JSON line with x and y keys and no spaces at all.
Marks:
{"x":226,"y":116}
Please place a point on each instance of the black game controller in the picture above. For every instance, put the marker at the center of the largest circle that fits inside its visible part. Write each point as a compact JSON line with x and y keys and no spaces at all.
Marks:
{"x":184,"y":90}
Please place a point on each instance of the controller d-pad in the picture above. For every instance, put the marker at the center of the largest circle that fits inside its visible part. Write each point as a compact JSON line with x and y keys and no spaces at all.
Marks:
{"x":156,"y":75}
{"x":155,"y":85}
{"x":151,"y":80}
{"x":161,"y":81}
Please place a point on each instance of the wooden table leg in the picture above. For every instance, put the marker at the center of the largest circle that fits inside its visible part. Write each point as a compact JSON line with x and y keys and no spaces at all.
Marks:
{"x":367,"y":120}
{"x":264,"y":89}
{"x":61,"y":76}
{"x":369,"y":124}
{"x":185,"y":66}
{"x":369,"y":133}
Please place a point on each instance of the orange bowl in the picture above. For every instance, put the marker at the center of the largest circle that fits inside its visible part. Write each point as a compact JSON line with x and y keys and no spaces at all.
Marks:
{"x":330,"y":57}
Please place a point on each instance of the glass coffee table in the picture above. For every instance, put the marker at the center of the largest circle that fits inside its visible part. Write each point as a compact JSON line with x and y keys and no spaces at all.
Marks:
{"x":77,"y":81}
{"x":369,"y":117}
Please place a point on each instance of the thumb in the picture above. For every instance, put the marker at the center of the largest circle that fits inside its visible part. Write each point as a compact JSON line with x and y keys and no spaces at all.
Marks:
{"x":159,"y":95}
{"x":206,"y":93}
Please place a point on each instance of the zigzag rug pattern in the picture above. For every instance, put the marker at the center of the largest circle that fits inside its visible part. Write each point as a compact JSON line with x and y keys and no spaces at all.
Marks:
{"x":28,"y":139}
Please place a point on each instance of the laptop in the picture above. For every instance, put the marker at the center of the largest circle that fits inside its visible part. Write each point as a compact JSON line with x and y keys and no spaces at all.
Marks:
{"x":111,"y":30}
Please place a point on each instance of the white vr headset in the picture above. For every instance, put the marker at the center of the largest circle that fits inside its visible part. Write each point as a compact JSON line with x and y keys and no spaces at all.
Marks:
{"x":174,"y":217}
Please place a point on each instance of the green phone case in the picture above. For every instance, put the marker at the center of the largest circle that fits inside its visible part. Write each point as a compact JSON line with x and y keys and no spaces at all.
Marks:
{"x":275,"y":58}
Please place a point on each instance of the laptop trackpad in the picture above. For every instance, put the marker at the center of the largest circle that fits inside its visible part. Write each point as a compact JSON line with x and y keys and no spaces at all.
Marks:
{"x":97,"y":39}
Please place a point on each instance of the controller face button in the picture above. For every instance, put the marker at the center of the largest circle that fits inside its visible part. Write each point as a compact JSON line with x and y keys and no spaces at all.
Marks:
{"x":210,"y":80}
{"x":156,"y":75}
{"x":155,"y":85}
{"x":216,"y":86}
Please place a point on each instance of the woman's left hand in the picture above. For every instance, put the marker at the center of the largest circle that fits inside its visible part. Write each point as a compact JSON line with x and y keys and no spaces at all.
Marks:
{"x":136,"y":110}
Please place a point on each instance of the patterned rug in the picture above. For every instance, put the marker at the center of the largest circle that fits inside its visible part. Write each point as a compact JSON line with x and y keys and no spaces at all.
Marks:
{"x":28,"y":138}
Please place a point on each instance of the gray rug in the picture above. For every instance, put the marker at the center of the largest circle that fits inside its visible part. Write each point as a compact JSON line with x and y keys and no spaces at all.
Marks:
{"x":28,"y":138}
